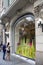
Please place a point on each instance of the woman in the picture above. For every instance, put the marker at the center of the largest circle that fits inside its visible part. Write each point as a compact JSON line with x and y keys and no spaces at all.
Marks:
{"x":8,"y":51}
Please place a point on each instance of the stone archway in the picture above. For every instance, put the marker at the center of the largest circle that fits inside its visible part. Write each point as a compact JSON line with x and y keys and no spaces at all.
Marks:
{"x":19,"y":22}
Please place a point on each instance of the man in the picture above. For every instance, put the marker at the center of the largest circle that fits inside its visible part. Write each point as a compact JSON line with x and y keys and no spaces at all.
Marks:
{"x":4,"y":51}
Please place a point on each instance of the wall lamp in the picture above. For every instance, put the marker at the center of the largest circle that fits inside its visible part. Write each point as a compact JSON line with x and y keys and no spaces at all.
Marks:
{"x":40,"y":25}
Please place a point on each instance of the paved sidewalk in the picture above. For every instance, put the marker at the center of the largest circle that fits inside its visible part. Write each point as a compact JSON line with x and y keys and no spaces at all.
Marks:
{"x":14,"y":61}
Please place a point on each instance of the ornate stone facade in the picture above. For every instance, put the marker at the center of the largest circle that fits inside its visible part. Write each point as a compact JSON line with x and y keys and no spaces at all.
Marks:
{"x":37,"y":10}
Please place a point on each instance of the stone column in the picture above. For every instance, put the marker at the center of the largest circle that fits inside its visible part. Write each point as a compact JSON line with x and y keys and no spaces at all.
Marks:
{"x":11,"y":37}
{"x":39,"y":34}
{"x":39,"y":43}
{"x":4,"y":36}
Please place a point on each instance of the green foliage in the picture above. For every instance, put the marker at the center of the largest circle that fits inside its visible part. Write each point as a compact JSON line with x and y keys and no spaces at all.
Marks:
{"x":26,"y":50}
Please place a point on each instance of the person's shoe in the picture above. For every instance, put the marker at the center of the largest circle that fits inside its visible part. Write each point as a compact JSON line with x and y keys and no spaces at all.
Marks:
{"x":3,"y":58}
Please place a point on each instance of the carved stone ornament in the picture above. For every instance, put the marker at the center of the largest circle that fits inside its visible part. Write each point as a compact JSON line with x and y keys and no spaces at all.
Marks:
{"x":38,"y":10}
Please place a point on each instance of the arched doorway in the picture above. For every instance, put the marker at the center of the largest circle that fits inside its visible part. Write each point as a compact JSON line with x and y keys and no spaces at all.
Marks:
{"x":25,"y":36}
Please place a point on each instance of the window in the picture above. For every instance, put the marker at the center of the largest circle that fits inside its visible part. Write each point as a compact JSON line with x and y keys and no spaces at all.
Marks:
{"x":25,"y":37}
{"x":8,"y":2}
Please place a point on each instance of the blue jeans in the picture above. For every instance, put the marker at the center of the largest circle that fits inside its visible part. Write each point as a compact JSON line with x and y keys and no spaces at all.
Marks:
{"x":4,"y":55}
